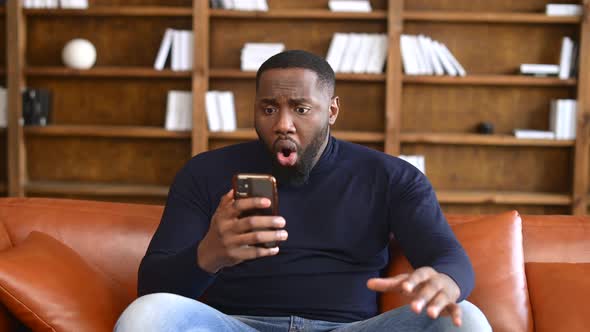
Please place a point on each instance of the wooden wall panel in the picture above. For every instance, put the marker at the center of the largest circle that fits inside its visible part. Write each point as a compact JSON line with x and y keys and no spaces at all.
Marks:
{"x":310,"y":35}
{"x":119,"y":161}
{"x":499,"y":208}
{"x":524,"y":169}
{"x":109,"y":101}
{"x":497,"y":48}
{"x":482,"y":5}
{"x":432,"y":108}
{"x":119,"y":41}
{"x":356,"y":113}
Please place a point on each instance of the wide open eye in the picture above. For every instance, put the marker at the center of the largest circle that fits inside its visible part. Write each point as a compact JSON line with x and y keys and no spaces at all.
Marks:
{"x":302,"y":110}
{"x":269,"y":110}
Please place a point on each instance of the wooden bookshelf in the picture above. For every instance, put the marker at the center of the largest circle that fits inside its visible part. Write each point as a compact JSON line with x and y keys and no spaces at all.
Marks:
{"x":153,"y":11}
{"x":109,"y":120}
{"x":136,"y":72}
{"x":487,"y":17}
{"x":105,"y":131}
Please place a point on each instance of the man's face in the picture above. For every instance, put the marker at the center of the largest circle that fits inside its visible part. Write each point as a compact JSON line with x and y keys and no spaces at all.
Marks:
{"x":293,"y":114}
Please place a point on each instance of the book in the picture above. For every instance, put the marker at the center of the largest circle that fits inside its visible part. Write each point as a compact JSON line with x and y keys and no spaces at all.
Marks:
{"x":368,"y":46}
{"x":351,"y":52}
{"x":179,"y":110}
{"x":565,"y":58}
{"x":558,"y":9}
{"x":212,"y":110}
{"x":226,"y":108}
{"x":253,"y":55}
{"x":533,"y":134}
{"x":460,"y":70}
{"x":447,"y":65}
{"x":539,"y":69}
{"x":336,"y":50}
{"x":417,"y":161}
{"x":379,"y":55}
{"x":361,"y":6}
{"x":164,"y":50}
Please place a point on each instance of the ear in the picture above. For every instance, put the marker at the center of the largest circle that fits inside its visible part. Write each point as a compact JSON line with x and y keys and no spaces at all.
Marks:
{"x":334,"y":109}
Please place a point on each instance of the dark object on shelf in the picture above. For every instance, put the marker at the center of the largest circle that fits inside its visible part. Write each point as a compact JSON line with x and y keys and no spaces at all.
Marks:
{"x":486,"y":128}
{"x":36,"y":106}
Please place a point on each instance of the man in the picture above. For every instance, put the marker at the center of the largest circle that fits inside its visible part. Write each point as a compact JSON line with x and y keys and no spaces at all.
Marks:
{"x":339,"y":203}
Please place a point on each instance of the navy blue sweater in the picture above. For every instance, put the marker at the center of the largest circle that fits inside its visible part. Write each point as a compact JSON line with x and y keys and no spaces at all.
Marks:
{"x":339,"y":225}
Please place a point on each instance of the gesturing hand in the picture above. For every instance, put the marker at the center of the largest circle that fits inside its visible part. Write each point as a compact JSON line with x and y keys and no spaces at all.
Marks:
{"x":230,"y":239}
{"x":429,"y":289}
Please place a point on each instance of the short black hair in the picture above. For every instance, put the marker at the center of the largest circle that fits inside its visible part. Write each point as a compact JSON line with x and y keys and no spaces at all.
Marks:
{"x":301,"y":59}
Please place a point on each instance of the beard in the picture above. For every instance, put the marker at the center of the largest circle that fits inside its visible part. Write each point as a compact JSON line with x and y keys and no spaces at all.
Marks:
{"x":298,"y":174}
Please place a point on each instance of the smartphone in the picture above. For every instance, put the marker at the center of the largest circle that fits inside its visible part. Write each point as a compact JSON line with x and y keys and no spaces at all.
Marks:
{"x":257,"y":185}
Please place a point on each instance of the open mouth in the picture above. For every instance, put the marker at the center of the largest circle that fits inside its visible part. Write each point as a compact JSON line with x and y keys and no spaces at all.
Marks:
{"x":286,"y":153}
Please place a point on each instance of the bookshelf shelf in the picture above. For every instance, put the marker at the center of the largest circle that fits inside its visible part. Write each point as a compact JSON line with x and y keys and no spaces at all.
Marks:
{"x":238,"y":74}
{"x":137,"y":72}
{"x":105,"y":131}
{"x":94,"y":189}
{"x":156,"y":11}
{"x":487,"y":17}
{"x":477,"y":139}
{"x":306,"y":14}
{"x":506,"y":80}
{"x":502,"y":197}
{"x":355,"y":136}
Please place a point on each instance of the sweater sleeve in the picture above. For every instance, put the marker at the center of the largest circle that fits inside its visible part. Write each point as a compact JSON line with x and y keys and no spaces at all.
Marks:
{"x":170,"y":263}
{"x":423,"y":232}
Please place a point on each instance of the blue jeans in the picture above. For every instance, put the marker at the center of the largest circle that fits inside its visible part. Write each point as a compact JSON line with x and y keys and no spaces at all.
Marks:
{"x":164,"y":312}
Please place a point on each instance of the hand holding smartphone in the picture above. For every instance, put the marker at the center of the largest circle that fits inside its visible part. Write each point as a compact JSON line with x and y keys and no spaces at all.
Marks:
{"x":257,"y":185}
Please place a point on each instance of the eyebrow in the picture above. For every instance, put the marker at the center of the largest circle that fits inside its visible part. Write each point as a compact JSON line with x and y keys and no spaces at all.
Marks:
{"x":273,"y":101}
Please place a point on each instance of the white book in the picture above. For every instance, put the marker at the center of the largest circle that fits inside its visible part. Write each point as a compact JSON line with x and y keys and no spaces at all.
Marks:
{"x":351,"y":52}
{"x":434,"y":59}
{"x":79,"y":4}
{"x":262,"y":5}
{"x":533,"y":134}
{"x":3,"y":108}
{"x":212,"y":110}
{"x":247,"y":5}
{"x":571,"y":118}
{"x":164,"y":50}
{"x":179,"y":110}
{"x":454,"y":61}
{"x":336,"y":50}
{"x":187,"y":50}
{"x":227,"y":111}
{"x":228,"y":4}
{"x":565,"y":58}
{"x":361,"y":63}
{"x":555,"y":9}
{"x":425,"y":53}
{"x":449,"y":68}
{"x":175,"y":62}
{"x":62,"y":3}
{"x":407,"y":55}
{"x":418,"y":55}
{"x":379,"y":55}
{"x":539,"y":69}
{"x":417,"y":161}
{"x":350,"y":6}
{"x":556,"y":119}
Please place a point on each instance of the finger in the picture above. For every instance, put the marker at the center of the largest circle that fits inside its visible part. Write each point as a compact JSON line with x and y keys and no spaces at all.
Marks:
{"x":245,"y":204}
{"x":420,"y":275}
{"x":424,"y":293}
{"x":247,"y":252}
{"x":248,"y":224}
{"x":386,"y":284}
{"x":454,"y":310}
{"x":437,"y":304}
{"x":252,"y":238}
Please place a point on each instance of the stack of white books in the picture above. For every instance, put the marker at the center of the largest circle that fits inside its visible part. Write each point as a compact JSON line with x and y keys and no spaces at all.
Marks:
{"x":180,"y":44}
{"x":422,"y":55}
{"x":220,"y":110}
{"x":566,"y":68}
{"x":359,"y":6}
{"x":179,"y":110}
{"x":560,"y":9}
{"x":254,"y":54}
{"x":533,"y":134}
{"x":248,"y":5}
{"x":562,"y":118}
{"x":357,"y":53}
{"x":417,"y":161}
{"x":3,"y":107}
{"x":48,"y":4}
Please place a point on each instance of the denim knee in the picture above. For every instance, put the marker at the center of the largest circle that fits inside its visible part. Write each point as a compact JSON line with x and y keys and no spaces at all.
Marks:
{"x":473,"y":319}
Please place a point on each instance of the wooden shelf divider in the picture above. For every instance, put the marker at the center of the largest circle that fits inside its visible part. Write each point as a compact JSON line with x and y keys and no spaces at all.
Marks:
{"x":478,"y":139}
{"x":94,"y":189}
{"x":488,"y":17}
{"x":323,"y":14}
{"x":250,"y":134}
{"x":510,"y":80}
{"x":157,"y":11}
{"x":502,"y":197}
{"x":105,"y":131}
{"x":135,"y":72}
{"x":239,"y":74}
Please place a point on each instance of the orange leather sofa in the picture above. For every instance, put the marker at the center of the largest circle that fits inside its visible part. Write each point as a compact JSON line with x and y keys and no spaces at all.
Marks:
{"x":69,"y":265}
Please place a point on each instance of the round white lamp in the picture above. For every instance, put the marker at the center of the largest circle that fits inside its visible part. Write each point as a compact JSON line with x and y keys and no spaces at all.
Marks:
{"x":79,"y":54}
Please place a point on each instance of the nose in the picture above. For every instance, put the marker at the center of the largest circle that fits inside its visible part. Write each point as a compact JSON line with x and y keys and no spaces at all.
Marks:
{"x":284,"y":124}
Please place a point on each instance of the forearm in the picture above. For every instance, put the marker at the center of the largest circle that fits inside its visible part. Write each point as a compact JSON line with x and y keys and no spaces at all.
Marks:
{"x":458,"y":267}
{"x":173,"y":273}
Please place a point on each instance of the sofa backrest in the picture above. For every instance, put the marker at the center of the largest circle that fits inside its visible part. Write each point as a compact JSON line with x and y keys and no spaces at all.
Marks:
{"x":113,"y":237}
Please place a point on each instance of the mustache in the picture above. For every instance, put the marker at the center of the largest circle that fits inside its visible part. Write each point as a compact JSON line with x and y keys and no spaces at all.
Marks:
{"x":284,"y":138}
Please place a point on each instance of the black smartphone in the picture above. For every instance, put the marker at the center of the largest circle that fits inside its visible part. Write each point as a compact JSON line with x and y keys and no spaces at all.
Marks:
{"x":257,"y":185}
